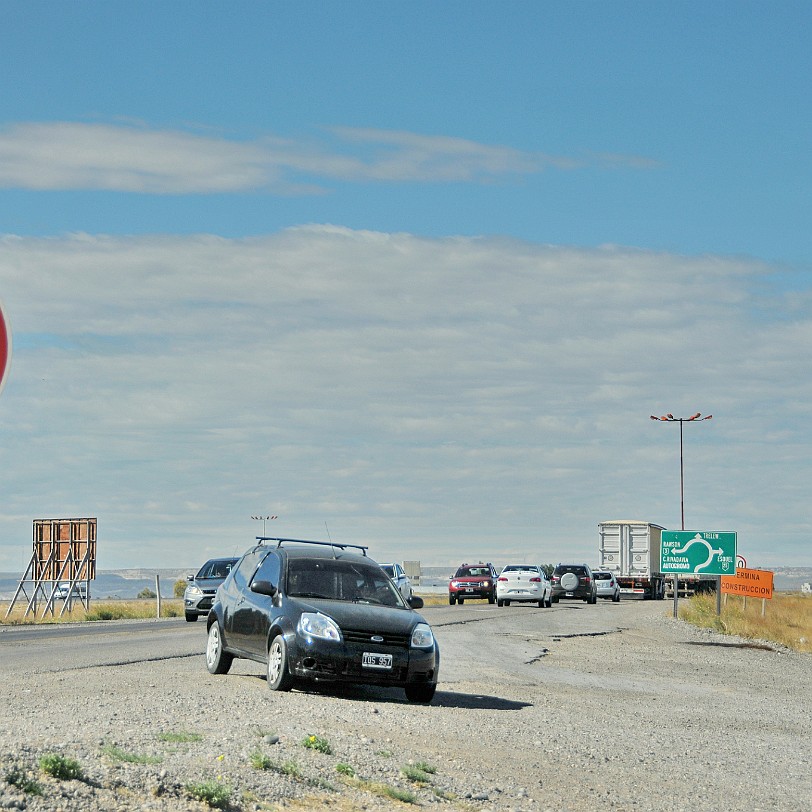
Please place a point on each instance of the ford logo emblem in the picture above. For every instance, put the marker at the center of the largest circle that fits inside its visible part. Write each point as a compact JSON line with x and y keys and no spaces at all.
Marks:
{"x":376,"y":638}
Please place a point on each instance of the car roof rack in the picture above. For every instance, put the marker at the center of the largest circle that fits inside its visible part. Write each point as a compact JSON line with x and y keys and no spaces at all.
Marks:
{"x":340,"y":546}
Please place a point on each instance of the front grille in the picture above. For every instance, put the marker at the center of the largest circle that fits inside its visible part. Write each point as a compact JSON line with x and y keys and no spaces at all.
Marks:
{"x":365,"y":638}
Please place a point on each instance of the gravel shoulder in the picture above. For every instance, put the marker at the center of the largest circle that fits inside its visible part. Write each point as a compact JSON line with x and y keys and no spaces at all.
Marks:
{"x":573,"y":708}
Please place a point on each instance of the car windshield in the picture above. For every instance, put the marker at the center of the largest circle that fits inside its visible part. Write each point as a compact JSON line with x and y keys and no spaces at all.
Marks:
{"x":603,"y":576}
{"x":215,"y":569}
{"x":472,"y":572}
{"x":341,"y":581}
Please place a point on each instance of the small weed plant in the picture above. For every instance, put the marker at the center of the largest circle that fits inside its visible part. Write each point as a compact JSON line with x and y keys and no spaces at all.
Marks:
{"x":60,"y":767}
{"x":213,"y":793}
{"x":419,"y":773}
{"x":318,"y":743}
{"x":181,"y":737}
{"x":345,"y":769}
{"x":117,"y":754}
{"x":259,"y":761}
{"x":17,"y":778}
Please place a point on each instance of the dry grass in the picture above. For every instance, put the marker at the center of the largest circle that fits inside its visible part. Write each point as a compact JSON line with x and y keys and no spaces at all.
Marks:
{"x":99,"y":610}
{"x":787,"y":619}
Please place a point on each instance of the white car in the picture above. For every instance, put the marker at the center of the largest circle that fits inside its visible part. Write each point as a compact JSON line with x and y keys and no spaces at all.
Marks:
{"x":399,"y":578}
{"x":607,"y":585}
{"x":524,"y":582}
{"x":63,"y":591}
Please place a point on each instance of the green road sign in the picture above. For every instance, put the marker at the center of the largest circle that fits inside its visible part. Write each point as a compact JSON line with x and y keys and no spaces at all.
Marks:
{"x":700,"y":551}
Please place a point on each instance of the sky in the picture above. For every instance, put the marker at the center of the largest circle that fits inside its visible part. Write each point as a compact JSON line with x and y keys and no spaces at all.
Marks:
{"x":413,"y":276}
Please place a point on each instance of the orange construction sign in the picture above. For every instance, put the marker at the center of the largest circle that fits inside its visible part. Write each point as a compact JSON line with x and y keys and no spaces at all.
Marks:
{"x":750,"y":583}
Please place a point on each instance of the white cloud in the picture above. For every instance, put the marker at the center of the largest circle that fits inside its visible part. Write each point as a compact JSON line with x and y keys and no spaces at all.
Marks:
{"x":71,"y":156}
{"x":433,"y":398}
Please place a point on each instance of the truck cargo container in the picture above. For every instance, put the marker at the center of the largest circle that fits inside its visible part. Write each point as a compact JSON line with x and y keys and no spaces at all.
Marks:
{"x":631,"y":550}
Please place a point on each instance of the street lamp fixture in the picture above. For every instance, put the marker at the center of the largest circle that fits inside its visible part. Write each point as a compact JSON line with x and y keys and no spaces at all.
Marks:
{"x":264,"y":519}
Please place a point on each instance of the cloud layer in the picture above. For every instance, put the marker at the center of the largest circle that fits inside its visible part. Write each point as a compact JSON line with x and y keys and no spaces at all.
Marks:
{"x":72,"y":155}
{"x":436,"y":399}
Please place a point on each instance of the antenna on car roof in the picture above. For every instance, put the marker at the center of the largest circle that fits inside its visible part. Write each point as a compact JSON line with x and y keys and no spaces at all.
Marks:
{"x":329,"y":537}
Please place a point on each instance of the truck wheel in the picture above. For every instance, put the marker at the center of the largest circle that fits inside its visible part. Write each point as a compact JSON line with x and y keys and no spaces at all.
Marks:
{"x":452,"y":600}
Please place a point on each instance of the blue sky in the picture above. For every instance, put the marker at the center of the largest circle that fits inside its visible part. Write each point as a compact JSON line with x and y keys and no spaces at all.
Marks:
{"x":411,"y":274}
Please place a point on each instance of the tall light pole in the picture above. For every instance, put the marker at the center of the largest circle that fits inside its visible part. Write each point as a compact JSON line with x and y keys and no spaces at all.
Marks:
{"x":669,"y":418}
{"x":263,"y":519}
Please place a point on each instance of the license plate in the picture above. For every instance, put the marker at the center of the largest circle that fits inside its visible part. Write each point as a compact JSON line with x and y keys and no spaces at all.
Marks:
{"x":570,"y":594}
{"x":470,"y":589}
{"x":376,"y":660}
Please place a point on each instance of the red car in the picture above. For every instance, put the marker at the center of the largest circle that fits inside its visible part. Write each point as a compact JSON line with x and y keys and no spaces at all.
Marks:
{"x":473,"y":581}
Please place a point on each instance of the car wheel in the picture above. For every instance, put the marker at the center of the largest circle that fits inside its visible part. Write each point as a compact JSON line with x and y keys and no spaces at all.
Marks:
{"x":191,"y":617}
{"x":507,"y":603}
{"x":460,"y":601}
{"x":279,"y":676}
{"x":452,"y":600}
{"x":217,"y":660}
{"x":616,"y":597}
{"x":500,"y":603}
{"x":549,"y":602}
{"x":491,"y":599}
{"x":554,"y":600}
{"x":420,"y":691}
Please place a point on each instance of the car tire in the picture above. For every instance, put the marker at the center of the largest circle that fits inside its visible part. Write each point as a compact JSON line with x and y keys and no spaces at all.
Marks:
{"x":279,"y":676}
{"x":554,"y":600}
{"x":616,"y":597}
{"x":491,"y":599}
{"x":507,"y":603}
{"x":500,"y":603}
{"x":218,"y":661}
{"x":452,"y":600}
{"x":549,"y":602}
{"x":420,"y":691}
{"x":460,"y":601}
{"x":191,"y":617}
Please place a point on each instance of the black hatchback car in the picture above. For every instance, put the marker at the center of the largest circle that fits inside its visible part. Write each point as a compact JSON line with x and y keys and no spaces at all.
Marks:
{"x":315,"y":612}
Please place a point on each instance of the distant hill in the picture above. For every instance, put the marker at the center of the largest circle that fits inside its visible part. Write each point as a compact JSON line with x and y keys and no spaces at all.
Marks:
{"x":122,"y":584}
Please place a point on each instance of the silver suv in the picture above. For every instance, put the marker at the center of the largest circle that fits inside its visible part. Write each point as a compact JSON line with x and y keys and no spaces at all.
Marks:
{"x":199,"y":595}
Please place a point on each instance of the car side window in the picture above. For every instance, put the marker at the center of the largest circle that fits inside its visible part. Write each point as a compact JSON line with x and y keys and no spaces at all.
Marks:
{"x":245,"y":569}
{"x":270,"y":570}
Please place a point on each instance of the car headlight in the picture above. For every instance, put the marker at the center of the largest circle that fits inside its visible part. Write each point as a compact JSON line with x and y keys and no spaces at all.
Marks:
{"x":422,"y":636}
{"x":193,"y":591}
{"x":314,"y":624}
{"x":455,"y":584}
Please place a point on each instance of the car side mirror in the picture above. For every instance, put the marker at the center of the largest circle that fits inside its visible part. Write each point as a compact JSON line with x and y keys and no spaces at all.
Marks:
{"x":416,"y":602}
{"x":190,"y":577}
{"x":264,"y":588}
